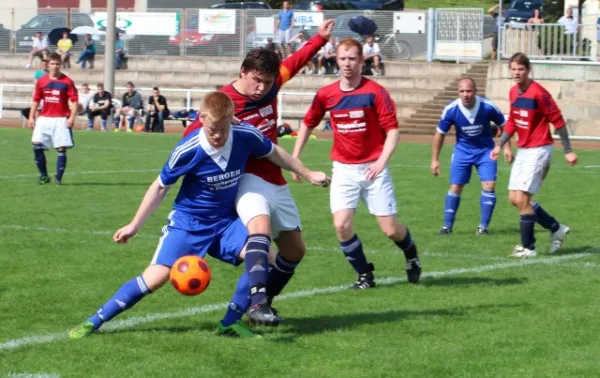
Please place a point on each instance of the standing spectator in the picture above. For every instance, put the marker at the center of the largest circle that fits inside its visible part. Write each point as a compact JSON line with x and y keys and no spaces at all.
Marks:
{"x":132,"y":106}
{"x":43,"y":70}
{"x":284,"y":26}
{"x":570,"y":24}
{"x":100,"y":106}
{"x":119,"y":51}
{"x":537,"y":18}
{"x":330,"y":57}
{"x":372,"y":55}
{"x":157,"y":112}
{"x":39,"y":48}
{"x":85,"y":96}
{"x":498,"y":22}
{"x":64,"y":46}
{"x":89,"y":51}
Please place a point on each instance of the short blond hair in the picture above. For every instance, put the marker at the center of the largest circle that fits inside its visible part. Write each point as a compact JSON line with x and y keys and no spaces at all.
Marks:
{"x":216,"y":106}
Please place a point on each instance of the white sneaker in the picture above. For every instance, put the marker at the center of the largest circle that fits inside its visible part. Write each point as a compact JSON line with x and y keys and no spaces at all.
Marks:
{"x":557,"y":238}
{"x":522,"y":252}
{"x":28,"y":66}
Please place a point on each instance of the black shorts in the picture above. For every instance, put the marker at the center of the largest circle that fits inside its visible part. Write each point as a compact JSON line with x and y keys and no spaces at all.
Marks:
{"x":495,"y":42}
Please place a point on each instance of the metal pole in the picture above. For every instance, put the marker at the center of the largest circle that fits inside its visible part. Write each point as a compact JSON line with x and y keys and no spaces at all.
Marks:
{"x":1,"y":100}
{"x":109,"y":49}
{"x":430,"y":34}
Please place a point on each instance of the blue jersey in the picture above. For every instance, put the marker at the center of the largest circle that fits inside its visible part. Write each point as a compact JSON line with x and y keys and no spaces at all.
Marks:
{"x":211,"y":176}
{"x":473,"y":129}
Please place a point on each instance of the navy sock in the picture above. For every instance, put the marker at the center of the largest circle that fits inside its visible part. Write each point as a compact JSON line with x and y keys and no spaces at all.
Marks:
{"x":280,"y":275}
{"x":40,"y":159}
{"x":103,"y":122}
{"x":353,"y":250}
{"x":256,"y":263}
{"x":239,"y":302}
{"x":487,"y":203}
{"x":527,"y":230}
{"x":544,"y":219}
{"x":90,"y":123}
{"x":451,"y":208}
{"x":117,"y":122}
{"x":408,"y":246}
{"x":61,"y":164}
{"x":131,"y":121}
{"x":126,"y":297}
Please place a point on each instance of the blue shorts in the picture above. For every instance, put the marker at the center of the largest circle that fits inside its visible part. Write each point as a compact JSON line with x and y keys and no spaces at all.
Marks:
{"x":223,"y":240}
{"x":463,"y":162}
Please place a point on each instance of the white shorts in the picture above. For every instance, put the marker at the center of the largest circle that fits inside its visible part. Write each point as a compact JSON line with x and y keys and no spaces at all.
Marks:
{"x":257,"y":197}
{"x":348,"y":186}
{"x":284,"y":36}
{"x":52,"y":132}
{"x":529,"y":168}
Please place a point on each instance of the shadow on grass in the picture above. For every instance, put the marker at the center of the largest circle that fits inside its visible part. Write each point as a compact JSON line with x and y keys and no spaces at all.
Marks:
{"x":467,"y":281}
{"x":572,"y":251}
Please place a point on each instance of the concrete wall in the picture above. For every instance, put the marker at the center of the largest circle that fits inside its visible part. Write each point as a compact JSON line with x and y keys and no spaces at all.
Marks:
{"x":576,"y":89}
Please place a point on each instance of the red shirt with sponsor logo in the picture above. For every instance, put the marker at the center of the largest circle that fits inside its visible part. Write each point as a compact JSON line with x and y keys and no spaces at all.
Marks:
{"x":360,"y":120}
{"x":56,"y":94}
{"x":263,"y":113}
{"x":531,"y":113}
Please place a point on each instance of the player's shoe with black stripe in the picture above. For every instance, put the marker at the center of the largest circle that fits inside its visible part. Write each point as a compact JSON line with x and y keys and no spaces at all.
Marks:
{"x":237,"y":329}
{"x":263,"y":314}
{"x":365,"y":280}
{"x":445,"y":231}
{"x":482,"y":230}
{"x":44,"y":180}
{"x":413,"y":270}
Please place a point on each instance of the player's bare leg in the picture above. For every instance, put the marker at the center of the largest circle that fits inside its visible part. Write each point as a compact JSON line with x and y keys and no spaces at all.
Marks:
{"x":353,"y":249}
{"x":257,"y":265}
{"x":400,"y":235}
{"x":451,"y":208}
{"x":487,"y":203}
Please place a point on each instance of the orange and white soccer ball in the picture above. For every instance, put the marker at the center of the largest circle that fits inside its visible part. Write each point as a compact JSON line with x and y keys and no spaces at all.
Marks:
{"x":190,"y":275}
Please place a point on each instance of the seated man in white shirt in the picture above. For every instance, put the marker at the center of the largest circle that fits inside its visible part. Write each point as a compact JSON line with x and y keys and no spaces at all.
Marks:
{"x":331,"y":57}
{"x":85,"y":96}
{"x":39,"y":48}
{"x":372,"y":55}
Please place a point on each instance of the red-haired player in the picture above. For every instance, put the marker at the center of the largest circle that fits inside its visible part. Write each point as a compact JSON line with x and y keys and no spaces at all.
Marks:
{"x":365,"y":134}
{"x":264,"y":202}
{"x":53,"y":127}
{"x":532,"y":109}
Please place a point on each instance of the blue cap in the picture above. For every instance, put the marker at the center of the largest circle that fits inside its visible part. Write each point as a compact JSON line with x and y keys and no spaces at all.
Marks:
{"x":362,"y":25}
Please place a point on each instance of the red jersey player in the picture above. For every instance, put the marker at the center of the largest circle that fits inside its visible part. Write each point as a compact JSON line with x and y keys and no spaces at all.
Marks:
{"x":365,"y":134}
{"x":532,"y":109}
{"x":264,"y":202}
{"x":53,"y":127}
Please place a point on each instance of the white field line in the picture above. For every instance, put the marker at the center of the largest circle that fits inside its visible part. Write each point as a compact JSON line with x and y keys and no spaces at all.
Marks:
{"x":135,"y":321}
{"x":311,"y":248}
{"x":32,"y":375}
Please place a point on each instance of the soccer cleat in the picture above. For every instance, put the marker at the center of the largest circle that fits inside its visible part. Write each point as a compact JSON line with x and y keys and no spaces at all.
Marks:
{"x":482,"y":230}
{"x":270,"y":302}
{"x":83,"y":330}
{"x":57,"y":182}
{"x":364,"y":281}
{"x":413,"y":270}
{"x":237,"y":329}
{"x":523,"y":252}
{"x":445,"y":231}
{"x":129,"y":130}
{"x":263,"y":314}
{"x":44,"y":180}
{"x":116,"y":130}
{"x":557,"y":238}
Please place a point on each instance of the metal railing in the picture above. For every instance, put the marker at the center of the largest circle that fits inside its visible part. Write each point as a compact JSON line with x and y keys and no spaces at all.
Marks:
{"x":549,"y":41}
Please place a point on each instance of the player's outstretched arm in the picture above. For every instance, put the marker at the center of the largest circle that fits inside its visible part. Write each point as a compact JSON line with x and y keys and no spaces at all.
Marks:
{"x":286,"y":161}
{"x":391,"y":141}
{"x":154,"y":196}
{"x":304,"y":134}
{"x":436,"y":148}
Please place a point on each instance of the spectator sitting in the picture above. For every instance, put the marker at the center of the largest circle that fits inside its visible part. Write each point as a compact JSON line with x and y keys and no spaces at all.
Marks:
{"x":318,"y":61}
{"x":131,"y":106}
{"x":43,"y":70}
{"x":64,"y":46}
{"x":300,"y":43}
{"x":89,"y":51}
{"x":330,"y":60}
{"x":39,"y":48}
{"x":372,"y":55}
{"x":157,"y":112}
{"x":100,"y":105}
{"x":119,"y":51}
{"x":85,"y":96}
{"x":271,"y":46}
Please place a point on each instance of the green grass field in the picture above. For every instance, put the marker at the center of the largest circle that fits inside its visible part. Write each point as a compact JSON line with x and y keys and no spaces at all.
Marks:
{"x":476,"y":312}
{"x":420,"y":4}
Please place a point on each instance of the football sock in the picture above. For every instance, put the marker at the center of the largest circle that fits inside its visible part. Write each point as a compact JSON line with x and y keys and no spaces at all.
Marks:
{"x":487,"y":202}
{"x":239,"y":302}
{"x":40,"y":159}
{"x":353,"y":250}
{"x":280,"y":275}
{"x":131,"y":121}
{"x":126,"y":297}
{"x":544,"y":219}
{"x":103,"y":124}
{"x":90,"y":123}
{"x":408,"y":246}
{"x":256,"y":263}
{"x":527,"y":231}
{"x":117,"y":122}
{"x":61,"y":164}
{"x":450,"y":208}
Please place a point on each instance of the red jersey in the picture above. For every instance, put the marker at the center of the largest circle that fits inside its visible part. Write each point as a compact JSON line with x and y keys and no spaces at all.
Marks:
{"x":56,"y":94}
{"x":531,"y":112}
{"x":263,"y":113}
{"x":360,"y":120}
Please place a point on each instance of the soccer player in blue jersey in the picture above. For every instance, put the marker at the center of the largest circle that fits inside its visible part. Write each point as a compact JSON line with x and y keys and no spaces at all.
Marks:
{"x":211,"y":161}
{"x":471,"y":116}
